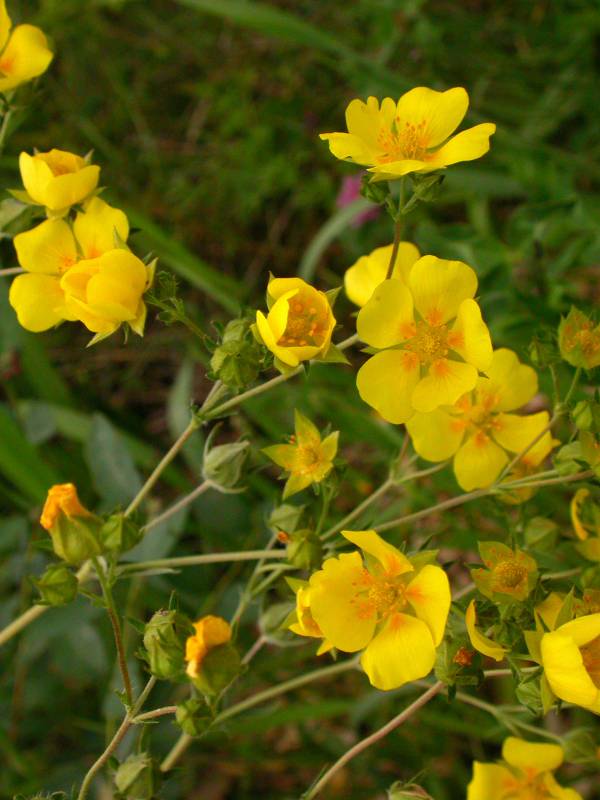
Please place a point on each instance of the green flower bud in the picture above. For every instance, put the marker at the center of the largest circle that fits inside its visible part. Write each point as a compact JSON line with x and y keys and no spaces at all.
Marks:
{"x":57,"y":586}
{"x":238,"y":359}
{"x":164,"y":641}
{"x":75,"y":532}
{"x":219,"y":667}
{"x":376,"y":192}
{"x":192,"y":718}
{"x":304,"y":549}
{"x":119,"y":534}
{"x":224,"y":463}
{"x":137,"y":778}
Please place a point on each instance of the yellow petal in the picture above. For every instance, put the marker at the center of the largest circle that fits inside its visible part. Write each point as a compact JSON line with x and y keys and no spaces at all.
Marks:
{"x":349,"y":148}
{"x":582,"y":630}
{"x":363,"y":277}
{"x":67,"y":190}
{"x":402,"y":651}
{"x":284,"y":455}
{"x":511,"y":383}
{"x":5,"y":24}
{"x":365,"y":120}
{"x":439,"y":287}
{"x":95,"y":228}
{"x":578,"y":499}
{"x":532,"y":756}
{"x":465,"y":146}
{"x":391,"y":559}
{"x":387,"y":319}
{"x":329,"y":446}
{"x":557,"y":792}
{"x":435,"y":436}
{"x":386,"y":382}
{"x":446,"y":381}
{"x":138,"y":324}
{"x":36,"y":175}
{"x":307,"y":432}
{"x":441,"y":112}
{"x":470,"y":337}
{"x":549,"y":609}
{"x":478,"y":462}
{"x":48,"y":248}
{"x":489,"y":782}
{"x":25,"y":56}
{"x":564,"y":670}
{"x":335,"y":603}
{"x":297,"y":482}
{"x":37,"y":299}
{"x":514,"y":432}
{"x":396,"y":169}
{"x":481,"y":643}
{"x":429,"y":596}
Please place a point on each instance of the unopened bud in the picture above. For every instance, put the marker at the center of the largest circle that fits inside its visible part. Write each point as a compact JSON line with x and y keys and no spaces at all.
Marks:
{"x":57,"y":586}
{"x":223,"y":464}
{"x":237,"y":361}
{"x":137,"y":778}
{"x":119,"y":534}
{"x":192,"y":718}
{"x":164,"y":638}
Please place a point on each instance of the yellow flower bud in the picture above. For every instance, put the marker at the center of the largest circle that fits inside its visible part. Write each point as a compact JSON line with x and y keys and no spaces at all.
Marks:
{"x":73,"y":529}
{"x":212,"y":662}
{"x":211,"y":632}
{"x":57,"y":179}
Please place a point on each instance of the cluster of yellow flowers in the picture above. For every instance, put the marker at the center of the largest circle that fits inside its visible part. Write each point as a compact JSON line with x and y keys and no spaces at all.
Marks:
{"x":77,"y":263}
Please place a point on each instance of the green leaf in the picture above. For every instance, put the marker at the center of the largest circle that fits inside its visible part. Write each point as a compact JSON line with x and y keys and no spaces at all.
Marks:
{"x":114,"y":474}
{"x":20,"y":462}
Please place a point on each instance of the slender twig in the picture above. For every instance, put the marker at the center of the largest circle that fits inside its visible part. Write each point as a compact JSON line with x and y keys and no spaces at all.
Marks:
{"x":4,"y":127}
{"x":5,"y":273}
{"x":183,"y":503}
{"x":361,"y":746}
{"x":395,"y":246}
{"x":158,"y":712}
{"x":116,"y":740}
{"x":206,"y":558}
{"x":451,"y":503}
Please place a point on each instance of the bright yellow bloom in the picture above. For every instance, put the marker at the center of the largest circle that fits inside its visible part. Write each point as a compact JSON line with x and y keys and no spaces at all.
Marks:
{"x":49,"y":250}
{"x":211,"y":632}
{"x":478,"y":432}
{"x":57,"y":179}
{"x":432,"y":338}
{"x":480,"y":642}
{"x":308,"y":459}
{"x":73,"y":529}
{"x":382,"y":603}
{"x":525,"y":774}
{"x":24,"y":52}
{"x":507,"y":573}
{"x":299,"y":324}
{"x":408,"y":136}
{"x":571,"y":661}
{"x":365,"y":275}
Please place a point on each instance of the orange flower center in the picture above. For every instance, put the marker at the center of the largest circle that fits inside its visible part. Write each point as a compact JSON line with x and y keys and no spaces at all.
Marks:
{"x":379,"y":595}
{"x":307,"y":323}
{"x":404,"y":140}
{"x":6,"y":65}
{"x":308,"y":459}
{"x":528,"y":786}
{"x":508,"y":575}
{"x":591,"y":660}
{"x":428,"y":342}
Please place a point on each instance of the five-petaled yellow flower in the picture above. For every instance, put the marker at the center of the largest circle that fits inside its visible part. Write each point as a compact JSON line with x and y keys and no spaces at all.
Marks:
{"x":57,"y":179}
{"x":308,"y":458}
{"x":432,"y":337}
{"x":478,"y":432}
{"x":525,"y":774}
{"x":382,"y":603}
{"x":411,"y":135}
{"x":571,"y":661}
{"x":24,"y":52}
{"x":365,"y":275}
{"x":508,"y":573}
{"x":299,"y":324}
{"x":210,"y":632}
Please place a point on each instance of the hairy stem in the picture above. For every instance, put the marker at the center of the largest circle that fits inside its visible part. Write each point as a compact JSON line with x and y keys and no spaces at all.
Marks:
{"x":182,"y":503}
{"x":207,"y":558}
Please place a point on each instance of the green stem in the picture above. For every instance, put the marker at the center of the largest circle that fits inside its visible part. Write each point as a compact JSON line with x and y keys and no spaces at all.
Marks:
{"x":510,"y":723}
{"x":268,"y":694}
{"x":207,"y":558}
{"x":157,"y":712}
{"x":185,"y":501}
{"x":11,"y":271}
{"x":4,"y":127}
{"x":116,"y":740}
{"x":116,"y":626}
{"x":395,"y":246}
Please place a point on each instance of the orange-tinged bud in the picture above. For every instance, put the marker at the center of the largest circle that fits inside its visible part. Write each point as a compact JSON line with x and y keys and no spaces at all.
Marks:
{"x":212,"y":661}
{"x":74,"y":530}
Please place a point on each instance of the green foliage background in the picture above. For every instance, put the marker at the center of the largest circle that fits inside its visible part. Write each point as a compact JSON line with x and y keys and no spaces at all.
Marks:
{"x":204,"y":115}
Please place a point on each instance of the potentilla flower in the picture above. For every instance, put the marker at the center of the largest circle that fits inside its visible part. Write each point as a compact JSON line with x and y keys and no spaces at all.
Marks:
{"x":210,"y":632}
{"x":570,"y":657}
{"x":508,"y":573}
{"x":49,"y":250}
{"x":579,"y":340}
{"x":384,"y":604}
{"x":365,"y":275}
{"x":481,"y":642}
{"x":478,"y":432}
{"x":411,"y":135}
{"x":432,"y":337}
{"x":308,"y":458}
{"x":73,"y":529}
{"x":24,"y":52}
{"x":57,"y":179}
{"x":524,"y":774}
{"x":299,"y":324}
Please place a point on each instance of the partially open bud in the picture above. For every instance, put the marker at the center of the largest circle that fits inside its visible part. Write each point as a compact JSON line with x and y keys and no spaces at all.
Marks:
{"x":212,"y":661}
{"x":119,"y":533}
{"x":579,"y":340}
{"x":192,"y":717}
{"x":57,"y":586}
{"x":164,"y":637}
{"x":74,"y":530}
{"x":137,"y":778}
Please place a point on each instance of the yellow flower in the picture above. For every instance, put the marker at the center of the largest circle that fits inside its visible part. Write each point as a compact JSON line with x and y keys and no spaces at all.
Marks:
{"x":49,"y":250}
{"x":24,"y":52}
{"x":480,"y":642}
{"x":478,"y":432}
{"x":308,"y":459}
{"x":525,"y":774}
{"x":411,"y":135}
{"x":571,"y":661}
{"x":579,"y":340}
{"x":304,"y":624}
{"x":211,"y":632}
{"x":507,"y":573}
{"x":299,"y":324}
{"x":382,"y":603}
{"x":57,"y":179}
{"x":74,"y":530}
{"x":365,"y":275}
{"x":432,"y":338}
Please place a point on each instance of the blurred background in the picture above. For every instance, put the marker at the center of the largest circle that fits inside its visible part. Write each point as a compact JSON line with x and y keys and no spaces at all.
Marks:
{"x":205,"y":115}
